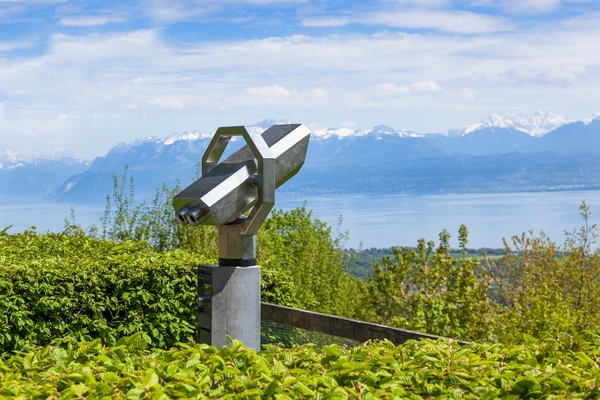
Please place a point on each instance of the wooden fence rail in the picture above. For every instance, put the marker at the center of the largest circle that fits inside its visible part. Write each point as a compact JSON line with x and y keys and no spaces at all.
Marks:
{"x":337,"y":326}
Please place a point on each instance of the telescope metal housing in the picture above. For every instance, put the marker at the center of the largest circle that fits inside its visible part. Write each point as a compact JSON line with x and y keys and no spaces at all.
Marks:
{"x":247,"y":178}
{"x":228,"y":297}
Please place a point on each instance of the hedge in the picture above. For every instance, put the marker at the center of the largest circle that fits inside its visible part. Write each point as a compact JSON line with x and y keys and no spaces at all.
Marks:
{"x":69,"y":285}
{"x":556,"y":369}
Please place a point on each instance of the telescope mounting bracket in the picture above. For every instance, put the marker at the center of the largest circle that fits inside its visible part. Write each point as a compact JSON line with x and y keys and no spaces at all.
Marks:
{"x":266,"y":172}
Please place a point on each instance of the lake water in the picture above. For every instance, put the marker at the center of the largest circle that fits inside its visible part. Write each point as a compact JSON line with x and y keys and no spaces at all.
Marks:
{"x":384,"y":221}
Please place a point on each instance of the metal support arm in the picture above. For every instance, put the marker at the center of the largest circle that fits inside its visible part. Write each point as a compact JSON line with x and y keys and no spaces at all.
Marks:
{"x":266,"y":171}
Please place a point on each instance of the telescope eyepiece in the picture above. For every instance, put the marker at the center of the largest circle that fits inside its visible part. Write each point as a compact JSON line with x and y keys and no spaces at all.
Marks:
{"x":191,"y":215}
{"x":196,"y":216}
{"x":180,"y":214}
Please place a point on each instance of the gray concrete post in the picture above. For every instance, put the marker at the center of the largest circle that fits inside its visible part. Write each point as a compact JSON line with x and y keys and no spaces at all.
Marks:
{"x":229,"y":305}
{"x":229,"y":294}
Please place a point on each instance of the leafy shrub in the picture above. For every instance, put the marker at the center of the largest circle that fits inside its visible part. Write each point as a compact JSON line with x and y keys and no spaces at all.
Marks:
{"x":429,"y":290}
{"x":295,"y":249}
{"x":68,"y":284}
{"x":535,"y":288}
{"x":564,"y":368}
{"x":540,"y":290}
{"x":302,"y":247}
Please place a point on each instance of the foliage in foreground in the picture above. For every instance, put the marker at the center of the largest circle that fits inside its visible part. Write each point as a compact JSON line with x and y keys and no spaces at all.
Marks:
{"x":537,"y":288}
{"x":559,"y":369}
{"x":291,"y":245}
{"x":68,"y":284}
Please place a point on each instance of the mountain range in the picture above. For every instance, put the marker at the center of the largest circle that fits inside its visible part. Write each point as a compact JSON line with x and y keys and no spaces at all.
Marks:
{"x":29,"y":177}
{"x":542,"y":151}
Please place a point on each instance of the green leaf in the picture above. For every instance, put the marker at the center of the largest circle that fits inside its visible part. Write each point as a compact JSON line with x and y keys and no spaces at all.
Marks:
{"x":151,"y":379}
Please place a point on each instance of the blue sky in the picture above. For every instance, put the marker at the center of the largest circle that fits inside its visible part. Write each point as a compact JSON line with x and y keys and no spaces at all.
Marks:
{"x":89,"y":74}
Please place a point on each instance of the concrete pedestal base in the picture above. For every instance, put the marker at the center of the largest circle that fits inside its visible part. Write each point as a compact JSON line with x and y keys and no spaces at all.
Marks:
{"x":232,"y":305}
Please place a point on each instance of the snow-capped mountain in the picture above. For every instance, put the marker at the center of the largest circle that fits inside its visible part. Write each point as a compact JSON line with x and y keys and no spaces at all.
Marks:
{"x":176,"y":157}
{"x":345,"y":159}
{"x":536,"y":124}
{"x":28,"y":176}
{"x":574,"y":138}
{"x":378,"y":131}
{"x":184,"y":138}
{"x":31,"y":156}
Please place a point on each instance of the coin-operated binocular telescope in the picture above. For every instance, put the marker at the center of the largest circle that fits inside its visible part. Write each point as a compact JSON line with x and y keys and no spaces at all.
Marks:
{"x":228,"y":296}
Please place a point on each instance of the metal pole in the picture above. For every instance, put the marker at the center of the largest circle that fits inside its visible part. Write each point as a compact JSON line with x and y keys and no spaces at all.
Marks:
{"x":229,"y":294}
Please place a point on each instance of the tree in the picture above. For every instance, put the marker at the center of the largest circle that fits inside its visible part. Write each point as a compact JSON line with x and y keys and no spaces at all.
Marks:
{"x":540,"y":291}
{"x":302,"y":247}
{"x":428,"y":290}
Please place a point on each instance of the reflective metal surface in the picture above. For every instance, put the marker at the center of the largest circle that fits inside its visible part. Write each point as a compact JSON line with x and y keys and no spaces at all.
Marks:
{"x":228,"y":189}
{"x":235,"y":246}
{"x":249,"y":177}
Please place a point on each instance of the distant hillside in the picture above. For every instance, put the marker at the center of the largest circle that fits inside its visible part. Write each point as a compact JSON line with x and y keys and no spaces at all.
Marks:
{"x":485,"y":141}
{"x":491,"y":156}
{"x":360,"y":263}
{"x":151,"y":162}
{"x":28,"y":180}
{"x":573,"y":138}
{"x":489,"y":159}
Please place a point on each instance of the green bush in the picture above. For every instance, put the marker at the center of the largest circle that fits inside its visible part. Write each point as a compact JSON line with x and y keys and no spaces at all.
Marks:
{"x":539,"y":290}
{"x":301,"y":262}
{"x":70,"y":285}
{"x":428,"y":290}
{"x":302,"y":247}
{"x":559,"y":369}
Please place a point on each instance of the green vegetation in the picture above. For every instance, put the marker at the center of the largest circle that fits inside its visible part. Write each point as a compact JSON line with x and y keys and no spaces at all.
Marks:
{"x":69,"y":284}
{"x":558,"y":369}
{"x":136,"y":273}
{"x":129,"y":285}
{"x":533,"y":289}
{"x":360,"y":262}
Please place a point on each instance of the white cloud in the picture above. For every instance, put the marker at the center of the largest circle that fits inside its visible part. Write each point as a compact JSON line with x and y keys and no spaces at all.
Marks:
{"x":319,"y":93}
{"x":329,"y":77}
{"x":67,"y":116}
{"x":325,"y":22}
{"x":426,"y":86}
{"x":94,"y":48}
{"x":392,"y":89}
{"x":10,"y":8}
{"x":532,"y":6}
{"x":172,"y":11}
{"x":269,"y":91}
{"x":468,"y":94}
{"x":441,"y":20}
{"x":168,"y":103}
{"x":176,"y":10}
{"x":529,"y":7}
{"x":424,"y":3}
{"x":90,"y":20}
{"x":265,"y":2}
{"x":10,"y":46}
